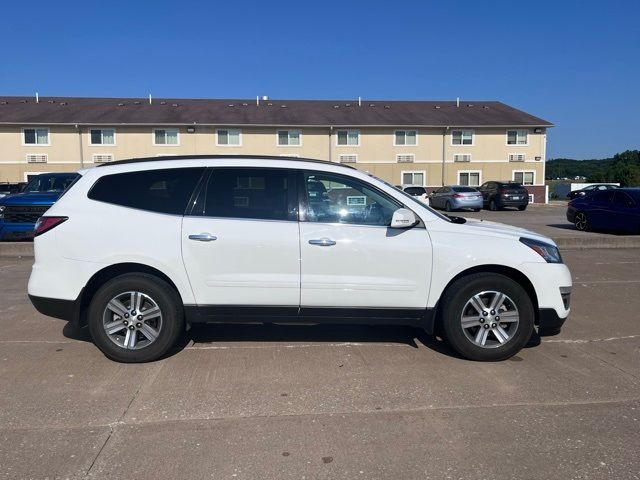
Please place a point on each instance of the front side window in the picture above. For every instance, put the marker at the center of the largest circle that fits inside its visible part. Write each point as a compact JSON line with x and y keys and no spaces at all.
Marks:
{"x":36,"y":136}
{"x":163,"y":191}
{"x":165,"y":136}
{"x":250,"y":193}
{"x":413,"y":178}
{"x":289,"y":138}
{"x":524,"y":178}
{"x":469,"y":178}
{"x":462,"y":137}
{"x":104,"y":136}
{"x":517,"y":137}
{"x":229,"y":138}
{"x":338,"y":199}
{"x":405,"y":137}
{"x":348,"y":137}
{"x":604,"y":196}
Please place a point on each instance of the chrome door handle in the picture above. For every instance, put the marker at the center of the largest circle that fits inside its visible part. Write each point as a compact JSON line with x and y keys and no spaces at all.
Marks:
{"x":323,"y":242}
{"x":202,"y":237}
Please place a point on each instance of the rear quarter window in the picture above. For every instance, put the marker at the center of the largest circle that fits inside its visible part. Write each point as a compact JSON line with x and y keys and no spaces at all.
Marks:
{"x":163,"y":191}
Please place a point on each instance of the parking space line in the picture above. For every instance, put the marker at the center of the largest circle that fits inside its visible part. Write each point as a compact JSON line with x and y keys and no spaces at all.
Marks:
{"x":610,"y":339}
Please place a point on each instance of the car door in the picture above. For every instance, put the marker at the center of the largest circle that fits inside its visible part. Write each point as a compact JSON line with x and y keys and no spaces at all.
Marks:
{"x":600,"y":204}
{"x":434,"y":197}
{"x":623,"y":214}
{"x":240,"y":242}
{"x":484,"y":190}
{"x":350,"y":258}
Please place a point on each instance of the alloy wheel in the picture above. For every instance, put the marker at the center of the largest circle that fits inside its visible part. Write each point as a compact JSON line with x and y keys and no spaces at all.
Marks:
{"x":132,"y":320}
{"x":489,"y":319}
{"x":581,"y":221}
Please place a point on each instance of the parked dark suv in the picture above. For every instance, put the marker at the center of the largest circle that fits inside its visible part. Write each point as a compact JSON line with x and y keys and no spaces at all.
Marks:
{"x":497,"y":195}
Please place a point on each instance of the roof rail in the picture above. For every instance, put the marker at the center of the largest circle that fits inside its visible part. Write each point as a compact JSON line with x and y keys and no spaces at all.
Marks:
{"x":210,"y":157}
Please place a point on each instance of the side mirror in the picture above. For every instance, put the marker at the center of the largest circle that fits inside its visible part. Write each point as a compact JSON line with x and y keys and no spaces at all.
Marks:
{"x":403,"y":218}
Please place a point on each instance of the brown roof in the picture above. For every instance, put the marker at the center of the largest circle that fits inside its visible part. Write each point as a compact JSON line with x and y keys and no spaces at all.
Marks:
{"x":165,"y":111}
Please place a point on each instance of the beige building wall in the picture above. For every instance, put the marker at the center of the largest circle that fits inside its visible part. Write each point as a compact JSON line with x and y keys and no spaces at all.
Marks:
{"x":376,"y":152}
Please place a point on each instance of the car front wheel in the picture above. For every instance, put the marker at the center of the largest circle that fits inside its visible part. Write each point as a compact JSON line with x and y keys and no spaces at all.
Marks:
{"x":135,"y":318}
{"x":487,"y":317}
{"x":581,"y":222}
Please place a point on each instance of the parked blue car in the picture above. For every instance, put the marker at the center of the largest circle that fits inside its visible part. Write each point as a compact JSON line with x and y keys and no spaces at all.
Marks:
{"x":616,"y":210}
{"x":456,"y":197}
{"x":19,"y":212}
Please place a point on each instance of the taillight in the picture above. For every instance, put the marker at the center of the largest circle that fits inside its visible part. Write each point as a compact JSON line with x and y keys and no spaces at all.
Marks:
{"x":44,"y":224}
{"x":457,"y":195}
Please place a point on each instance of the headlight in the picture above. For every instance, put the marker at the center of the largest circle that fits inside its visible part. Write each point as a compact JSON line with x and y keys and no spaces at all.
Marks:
{"x":1,"y":212}
{"x":547,"y":251}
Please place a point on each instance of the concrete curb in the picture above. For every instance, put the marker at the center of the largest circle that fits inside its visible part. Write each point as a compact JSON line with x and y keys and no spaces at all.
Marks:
{"x":25,"y":249}
{"x":16,"y":249}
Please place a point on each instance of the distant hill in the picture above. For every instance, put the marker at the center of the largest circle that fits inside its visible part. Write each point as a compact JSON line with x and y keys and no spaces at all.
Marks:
{"x":623,"y":168}
{"x":568,"y":168}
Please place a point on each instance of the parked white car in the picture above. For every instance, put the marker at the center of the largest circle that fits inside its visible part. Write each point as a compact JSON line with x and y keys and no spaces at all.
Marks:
{"x":138,"y":250}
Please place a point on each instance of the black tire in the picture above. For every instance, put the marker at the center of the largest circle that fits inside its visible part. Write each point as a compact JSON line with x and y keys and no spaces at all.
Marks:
{"x":581,"y":221}
{"x":522,"y":208}
{"x":166,"y":298}
{"x":454,"y":301}
{"x":447,"y":206}
{"x":493,"y":206}
{"x":476,"y":209}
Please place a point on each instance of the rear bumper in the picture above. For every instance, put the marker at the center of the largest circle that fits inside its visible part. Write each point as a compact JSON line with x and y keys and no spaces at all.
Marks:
{"x":16,"y":231}
{"x":549,"y":322}
{"x":503,"y":202}
{"x":54,"y":307}
{"x":468,"y":204}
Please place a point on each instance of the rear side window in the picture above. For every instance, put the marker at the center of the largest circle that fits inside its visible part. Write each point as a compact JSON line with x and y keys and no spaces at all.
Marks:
{"x":163,"y":191}
{"x":251,"y":193}
{"x":415,"y":190}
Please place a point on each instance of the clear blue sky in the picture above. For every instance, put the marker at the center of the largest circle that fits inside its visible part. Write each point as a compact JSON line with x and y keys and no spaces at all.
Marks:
{"x":574,"y":63}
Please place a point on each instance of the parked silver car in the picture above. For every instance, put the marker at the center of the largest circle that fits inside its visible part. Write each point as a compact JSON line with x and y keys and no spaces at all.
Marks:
{"x":455,"y":197}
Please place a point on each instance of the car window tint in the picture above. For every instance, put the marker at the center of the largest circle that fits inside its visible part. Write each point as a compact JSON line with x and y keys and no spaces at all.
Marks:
{"x":603,"y":196}
{"x":164,"y":191}
{"x":464,"y":189}
{"x":338,"y":199}
{"x":252,"y":193}
{"x":621,"y":198}
{"x":415,"y":190}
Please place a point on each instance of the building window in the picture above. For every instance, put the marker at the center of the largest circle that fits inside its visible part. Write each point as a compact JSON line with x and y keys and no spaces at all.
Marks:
{"x":348,"y":137}
{"x":462,"y":157}
{"x":416,"y":178}
{"x":289,"y":138}
{"x":348,"y":158}
{"x":165,"y":136}
{"x":525,"y":178}
{"x":405,"y":137}
{"x":471,"y":179}
{"x":462,"y":137}
{"x":517,"y":157}
{"x":229,"y":138}
{"x":517,"y":137}
{"x":405,"y":158}
{"x":36,"y":136}
{"x":105,"y":136}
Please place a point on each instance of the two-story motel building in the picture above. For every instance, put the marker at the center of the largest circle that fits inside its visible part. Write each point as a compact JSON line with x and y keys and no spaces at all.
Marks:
{"x":428,"y":143}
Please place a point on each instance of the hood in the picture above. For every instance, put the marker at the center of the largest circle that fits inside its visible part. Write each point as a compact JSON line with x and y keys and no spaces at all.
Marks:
{"x":35,"y":198}
{"x":502,"y":229}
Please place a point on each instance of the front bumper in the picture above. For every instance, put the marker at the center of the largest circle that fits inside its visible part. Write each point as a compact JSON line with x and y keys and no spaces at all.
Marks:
{"x":549,"y":322}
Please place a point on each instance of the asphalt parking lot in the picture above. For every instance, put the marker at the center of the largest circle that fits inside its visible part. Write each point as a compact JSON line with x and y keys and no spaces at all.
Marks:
{"x":274,"y":402}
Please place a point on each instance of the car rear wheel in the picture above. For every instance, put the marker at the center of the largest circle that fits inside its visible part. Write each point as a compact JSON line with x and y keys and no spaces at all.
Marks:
{"x":487,"y":317}
{"x":581,"y":222}
{"x":522,"y":208}
{"x":476,"y":209}
{"x":135,"y":318}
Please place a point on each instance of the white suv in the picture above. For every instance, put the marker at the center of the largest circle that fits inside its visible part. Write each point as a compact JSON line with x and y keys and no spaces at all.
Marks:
{"x":139,"y":250}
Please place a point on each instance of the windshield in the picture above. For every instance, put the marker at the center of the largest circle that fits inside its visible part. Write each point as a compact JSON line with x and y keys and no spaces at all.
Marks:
{"x":50,"y":183}
{"x":437,"y":214}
